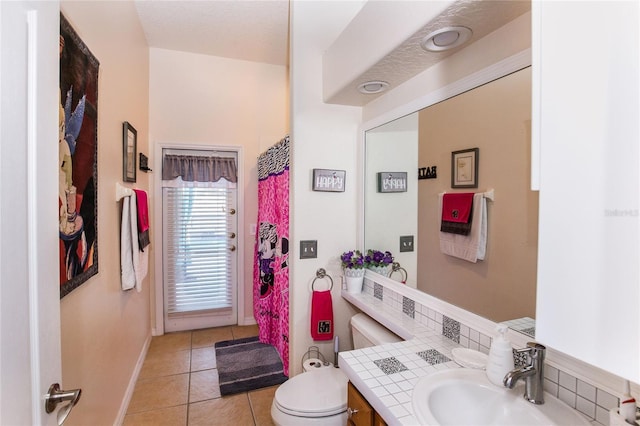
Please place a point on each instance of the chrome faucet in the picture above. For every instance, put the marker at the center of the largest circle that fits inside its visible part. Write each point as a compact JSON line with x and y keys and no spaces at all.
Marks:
{"x":532,"y":373}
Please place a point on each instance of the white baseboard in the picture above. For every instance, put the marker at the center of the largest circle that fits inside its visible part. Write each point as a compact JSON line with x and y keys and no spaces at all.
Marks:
{"x":132,"y":382}
{"x":247,"y":321}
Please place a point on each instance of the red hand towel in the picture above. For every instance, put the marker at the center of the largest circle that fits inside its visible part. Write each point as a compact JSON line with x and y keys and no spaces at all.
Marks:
{"x":321,"y":315}
{"x":457,"y":207}
{"x":143,"y":219}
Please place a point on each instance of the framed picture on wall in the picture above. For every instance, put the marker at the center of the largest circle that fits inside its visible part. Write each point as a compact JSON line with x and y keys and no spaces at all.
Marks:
{"x":129,"y":142}
{"x":464,"y":168}
{"x":78,"y":160}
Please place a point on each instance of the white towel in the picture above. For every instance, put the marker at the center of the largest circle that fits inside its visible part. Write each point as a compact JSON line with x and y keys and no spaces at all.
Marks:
{"x":470,"y":247}
{"x":127,"y":273}
{"x":130,"y":267}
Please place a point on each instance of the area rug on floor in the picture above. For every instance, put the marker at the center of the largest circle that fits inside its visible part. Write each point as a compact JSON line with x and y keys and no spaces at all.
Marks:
{"x":246,"y":364}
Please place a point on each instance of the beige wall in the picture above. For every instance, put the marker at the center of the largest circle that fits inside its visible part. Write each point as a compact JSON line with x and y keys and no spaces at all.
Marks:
{"x":207,"y":100}
{"x":105,"y":329}
{"x":497,"y":119}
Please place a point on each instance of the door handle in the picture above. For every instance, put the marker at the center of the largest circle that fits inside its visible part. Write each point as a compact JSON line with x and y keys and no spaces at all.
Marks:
{"x":232,"y":248}
{"x":55,"y":396}
{"x":232,"y":211}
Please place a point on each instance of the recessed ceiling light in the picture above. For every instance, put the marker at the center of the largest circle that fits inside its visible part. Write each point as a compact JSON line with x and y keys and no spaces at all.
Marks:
{"x":446,"y":38}
{"x":371,"y":87}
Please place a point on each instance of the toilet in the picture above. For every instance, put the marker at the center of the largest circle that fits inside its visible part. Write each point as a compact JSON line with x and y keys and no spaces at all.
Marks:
{"x":319,"y":395}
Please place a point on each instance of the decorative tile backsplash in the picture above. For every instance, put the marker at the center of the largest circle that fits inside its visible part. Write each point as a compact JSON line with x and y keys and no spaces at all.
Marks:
{"x":409,"y":307}
{"x":377,"y":291}
{"x":593,"y":402}
{"x":451,"y":329}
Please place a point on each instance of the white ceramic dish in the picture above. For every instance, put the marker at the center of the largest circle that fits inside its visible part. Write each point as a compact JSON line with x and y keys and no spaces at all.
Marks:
{"x":469,"y":358}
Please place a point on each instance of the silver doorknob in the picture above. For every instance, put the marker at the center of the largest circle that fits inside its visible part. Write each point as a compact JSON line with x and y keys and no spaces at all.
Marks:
{"x":351,"y":411}
{"x":55,"y":396}
{"x":232,"y":211}
{"x":232,"y":248}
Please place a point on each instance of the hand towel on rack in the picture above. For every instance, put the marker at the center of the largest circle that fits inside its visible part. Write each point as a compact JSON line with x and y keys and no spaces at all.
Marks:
{"x":470,"y":247}
{"x":321,"y":315}
{"x":457,"y":210}
{"x":142,"y":232}
{"x":143,"y":218}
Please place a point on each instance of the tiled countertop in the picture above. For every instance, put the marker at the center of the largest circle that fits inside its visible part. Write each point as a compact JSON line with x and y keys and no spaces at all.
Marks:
{"x":387,"y":374}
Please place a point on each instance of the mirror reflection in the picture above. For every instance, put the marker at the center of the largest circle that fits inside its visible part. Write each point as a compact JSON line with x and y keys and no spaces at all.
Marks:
{"x":496,"y":119}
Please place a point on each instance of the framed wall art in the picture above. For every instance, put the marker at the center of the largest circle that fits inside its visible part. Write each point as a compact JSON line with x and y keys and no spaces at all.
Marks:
{"x":77,"y":161}
{"x":325,"y":180}
{"x":392,"y":182}
{"x":129,"y":148}
{"x":464,"y":168}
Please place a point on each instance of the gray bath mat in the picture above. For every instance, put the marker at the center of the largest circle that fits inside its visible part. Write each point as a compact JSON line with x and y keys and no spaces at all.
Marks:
{"x":246,"y":364}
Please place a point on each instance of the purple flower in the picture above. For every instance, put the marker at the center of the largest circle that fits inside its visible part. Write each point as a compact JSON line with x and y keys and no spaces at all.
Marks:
{"x":352,"y":259}
{"x":378,"y":258}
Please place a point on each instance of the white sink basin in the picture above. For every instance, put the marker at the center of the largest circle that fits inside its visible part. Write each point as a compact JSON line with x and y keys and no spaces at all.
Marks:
{"x":463,"y":396}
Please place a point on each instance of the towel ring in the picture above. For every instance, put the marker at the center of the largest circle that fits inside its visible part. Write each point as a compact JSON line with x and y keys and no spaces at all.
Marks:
{"x":395,"y":267}
{"x":321,"y":273}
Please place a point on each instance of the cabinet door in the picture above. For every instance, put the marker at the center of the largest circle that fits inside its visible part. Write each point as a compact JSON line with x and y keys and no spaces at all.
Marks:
{"x":588,"y":270}
{"x":359,"y":410}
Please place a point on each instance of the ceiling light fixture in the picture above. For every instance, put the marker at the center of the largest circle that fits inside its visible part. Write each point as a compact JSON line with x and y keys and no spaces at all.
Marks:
{"x":446,"y":38}
{"x":371,"y":87}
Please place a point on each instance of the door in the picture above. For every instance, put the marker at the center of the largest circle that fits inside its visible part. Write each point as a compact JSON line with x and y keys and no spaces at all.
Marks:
{"x":29,"y":292}
{"x":200,"y":247}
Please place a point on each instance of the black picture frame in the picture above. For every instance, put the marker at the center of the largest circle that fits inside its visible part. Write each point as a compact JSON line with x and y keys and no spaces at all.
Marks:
{"x":129,"y":152}
{"x":464,"y":168}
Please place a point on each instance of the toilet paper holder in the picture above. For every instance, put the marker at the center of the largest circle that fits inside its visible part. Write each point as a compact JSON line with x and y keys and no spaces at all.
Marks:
{"x":314,"y":352}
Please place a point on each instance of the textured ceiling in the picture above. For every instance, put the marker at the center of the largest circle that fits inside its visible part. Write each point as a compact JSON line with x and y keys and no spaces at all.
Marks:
{"x":409,"y":59}
{"x":249,"y":30}
{"x":258,"y":30}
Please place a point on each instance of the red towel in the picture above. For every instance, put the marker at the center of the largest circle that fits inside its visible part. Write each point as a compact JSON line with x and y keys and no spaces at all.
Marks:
{"x":143,"y":219}
{"x":457,"y":207}
{"x":321,"y":315}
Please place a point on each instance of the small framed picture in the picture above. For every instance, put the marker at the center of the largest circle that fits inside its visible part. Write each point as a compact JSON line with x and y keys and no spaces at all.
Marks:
{"x":129,"y":142}
{"x":464,"y":168}
{"x":392,"y":182}
{"x":325,"y":180}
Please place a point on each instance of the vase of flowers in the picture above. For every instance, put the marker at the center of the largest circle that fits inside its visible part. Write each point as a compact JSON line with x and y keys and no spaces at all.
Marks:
{"x":378,"y":261}
{"x":353,"y":268}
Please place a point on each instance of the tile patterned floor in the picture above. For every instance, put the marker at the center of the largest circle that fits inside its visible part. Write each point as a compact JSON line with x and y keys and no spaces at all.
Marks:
{"x":178,"y":384}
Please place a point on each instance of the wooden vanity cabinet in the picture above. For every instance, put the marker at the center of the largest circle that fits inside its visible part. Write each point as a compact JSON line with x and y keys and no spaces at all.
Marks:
{"x":359,"y":411}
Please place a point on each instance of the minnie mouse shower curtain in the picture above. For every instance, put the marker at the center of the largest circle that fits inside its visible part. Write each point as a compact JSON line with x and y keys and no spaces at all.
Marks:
{"x":271,"y":267}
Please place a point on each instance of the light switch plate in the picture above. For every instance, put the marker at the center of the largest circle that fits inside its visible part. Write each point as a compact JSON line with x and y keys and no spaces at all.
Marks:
{"x":308,"y":249}
{"x":406,"y":243}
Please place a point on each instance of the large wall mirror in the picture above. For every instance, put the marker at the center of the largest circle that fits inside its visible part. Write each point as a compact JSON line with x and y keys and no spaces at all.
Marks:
{"x":496,"y":119}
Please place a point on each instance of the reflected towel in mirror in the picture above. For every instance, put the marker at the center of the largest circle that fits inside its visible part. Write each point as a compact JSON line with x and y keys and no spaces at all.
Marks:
{"x":470,"y":247}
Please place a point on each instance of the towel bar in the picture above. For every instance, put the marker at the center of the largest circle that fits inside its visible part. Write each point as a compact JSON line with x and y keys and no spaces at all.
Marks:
{"x":489,"y":194}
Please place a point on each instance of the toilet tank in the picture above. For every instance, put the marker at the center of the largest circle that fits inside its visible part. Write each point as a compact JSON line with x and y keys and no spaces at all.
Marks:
{"x":368,"y":332}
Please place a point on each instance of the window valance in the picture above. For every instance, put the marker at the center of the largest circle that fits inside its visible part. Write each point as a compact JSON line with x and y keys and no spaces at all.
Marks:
{"x":199,"y":168}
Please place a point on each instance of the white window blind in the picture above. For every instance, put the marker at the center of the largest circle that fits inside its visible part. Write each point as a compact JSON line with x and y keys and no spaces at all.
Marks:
{"x":199,"y":273}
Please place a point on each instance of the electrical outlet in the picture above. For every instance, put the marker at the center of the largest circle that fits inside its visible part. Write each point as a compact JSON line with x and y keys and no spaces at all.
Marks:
{"x":406,"y":243}
{"x":308,"y":249}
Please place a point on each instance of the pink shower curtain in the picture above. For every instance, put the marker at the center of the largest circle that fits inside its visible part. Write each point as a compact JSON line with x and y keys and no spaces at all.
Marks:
{"x":271,"y":266}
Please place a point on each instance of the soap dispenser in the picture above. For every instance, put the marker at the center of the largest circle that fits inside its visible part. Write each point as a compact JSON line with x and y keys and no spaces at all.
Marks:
{"x":500,"y":357}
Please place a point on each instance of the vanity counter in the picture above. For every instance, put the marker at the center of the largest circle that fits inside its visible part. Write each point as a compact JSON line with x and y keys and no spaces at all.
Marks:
{"x":387,"y":374}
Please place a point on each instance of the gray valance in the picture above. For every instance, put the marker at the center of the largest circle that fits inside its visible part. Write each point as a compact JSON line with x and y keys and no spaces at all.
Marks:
{"x":199,"y":168}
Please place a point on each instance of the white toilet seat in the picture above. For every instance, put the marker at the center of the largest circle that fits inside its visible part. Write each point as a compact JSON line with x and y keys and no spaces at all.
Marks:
{"x":313,"y":395}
